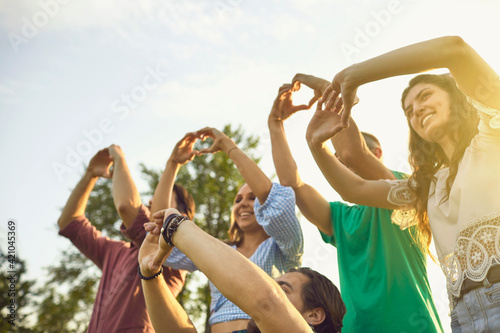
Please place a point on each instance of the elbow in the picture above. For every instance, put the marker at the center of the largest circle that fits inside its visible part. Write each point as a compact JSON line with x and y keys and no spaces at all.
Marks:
{"x":125,"y":209}
{"x":348,"y":197}
{"x":266,"y":302}
{"x":61,"y":222}
{"x":455,"y":43}
{"x":455,"y":48}
{"x":292,"y":182}
{"x":346,"y":157}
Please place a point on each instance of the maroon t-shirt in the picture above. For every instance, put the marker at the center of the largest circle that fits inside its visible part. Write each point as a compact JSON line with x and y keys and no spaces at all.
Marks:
{"x":119,"y":305}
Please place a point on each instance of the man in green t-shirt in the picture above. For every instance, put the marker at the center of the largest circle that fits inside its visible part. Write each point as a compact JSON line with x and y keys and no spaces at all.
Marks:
{"x":383,"y":275}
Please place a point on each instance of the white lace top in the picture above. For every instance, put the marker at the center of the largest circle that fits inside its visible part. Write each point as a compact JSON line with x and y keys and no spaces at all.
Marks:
{"x":466,"y":227}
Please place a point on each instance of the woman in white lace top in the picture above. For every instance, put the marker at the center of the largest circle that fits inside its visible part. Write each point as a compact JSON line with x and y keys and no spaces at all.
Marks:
{"x":454,"y":190}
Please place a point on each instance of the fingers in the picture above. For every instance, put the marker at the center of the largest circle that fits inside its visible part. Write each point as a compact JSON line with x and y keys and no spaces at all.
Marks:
{"x":298,"y":77}
{"x":286,"y":88}
{"x":319,"y":106}
{"x":331,"y":99}
{"x":153,"y":227}
{"x":345,"y":116}
{"x":313,"y":100}
{"x":212,"y":149}
{"x":162,"y":214}
{"x":337,"y":128}
{"x":159,"y":215}
{"x":296,"y":108}
{"x":205,"y":130}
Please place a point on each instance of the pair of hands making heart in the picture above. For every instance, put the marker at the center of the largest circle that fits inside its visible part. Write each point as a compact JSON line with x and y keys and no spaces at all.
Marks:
{"x":183,"y":151}
{"x":329,"y":118}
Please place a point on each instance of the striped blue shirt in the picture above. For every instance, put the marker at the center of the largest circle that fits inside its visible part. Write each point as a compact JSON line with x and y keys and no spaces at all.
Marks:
{"x":276,"y":255}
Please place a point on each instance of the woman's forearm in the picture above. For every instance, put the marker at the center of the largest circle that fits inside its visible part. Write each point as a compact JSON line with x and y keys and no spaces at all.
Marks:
{"x":473,"y":75}
{"x":251,"y":173}
{"x":444,"y":52}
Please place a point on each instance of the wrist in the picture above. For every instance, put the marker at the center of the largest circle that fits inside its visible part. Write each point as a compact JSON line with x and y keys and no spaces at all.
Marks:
{"x":90,"y":175}
{"x":314,"y":143}
{"x":350,"y":78}
{"x":184,"y":234}
{"x":146,"y":274}
{"x":172,"y":163}
{"x":118,"y":158}
{"x":274,"y":121}
{"x":227,"y":144}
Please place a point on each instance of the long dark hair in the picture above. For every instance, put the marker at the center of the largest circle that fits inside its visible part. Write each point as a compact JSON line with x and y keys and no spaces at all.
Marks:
{"x":426,"y":158}
{"x":184,"y":200}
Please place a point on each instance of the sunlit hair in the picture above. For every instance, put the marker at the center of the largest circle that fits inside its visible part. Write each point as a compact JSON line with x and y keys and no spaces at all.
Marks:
{"x":426,"y":158}
{"x":320,"y":292}
{"x":184,"y":200}
{"x":235,"y":233}
{"x":371,"y":140}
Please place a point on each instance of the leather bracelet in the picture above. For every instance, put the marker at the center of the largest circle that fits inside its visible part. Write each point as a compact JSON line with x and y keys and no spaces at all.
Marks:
{"x":151,"y":277}
{"x":170,"y":225}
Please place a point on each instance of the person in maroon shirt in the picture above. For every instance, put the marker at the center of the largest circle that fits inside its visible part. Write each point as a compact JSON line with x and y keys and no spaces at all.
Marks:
{"x":119,"y":304}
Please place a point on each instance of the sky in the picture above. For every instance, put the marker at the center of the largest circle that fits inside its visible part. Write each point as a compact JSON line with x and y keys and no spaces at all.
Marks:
{"x":78,"y":76}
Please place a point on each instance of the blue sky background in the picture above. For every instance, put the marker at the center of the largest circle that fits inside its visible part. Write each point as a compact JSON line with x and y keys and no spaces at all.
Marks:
{"x":67,"y":67}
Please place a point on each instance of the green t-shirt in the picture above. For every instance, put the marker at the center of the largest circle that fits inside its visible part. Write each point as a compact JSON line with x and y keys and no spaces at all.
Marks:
{"x":383,"y":274}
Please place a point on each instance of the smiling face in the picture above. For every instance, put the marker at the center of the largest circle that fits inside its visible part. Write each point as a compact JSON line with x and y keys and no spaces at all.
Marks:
{"x":427,"y":108}
{"x":243,"y":208}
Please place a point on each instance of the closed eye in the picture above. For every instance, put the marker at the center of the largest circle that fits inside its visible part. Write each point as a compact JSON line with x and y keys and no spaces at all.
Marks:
{"x":426,"y":95}
{"x":285,"y":286}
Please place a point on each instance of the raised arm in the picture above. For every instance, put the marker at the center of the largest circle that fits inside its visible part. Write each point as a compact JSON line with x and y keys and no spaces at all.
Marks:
{"x":472,"y":74}
{"x":322,"y":127}
{"x":125,"y":194}
{"x":165,"y":312}
{"x":349,"y":144}
{"x":238,"y":279}
{"x":314,"y":207}
{"x":181,"y":154}
{"x":249,"y":170}
{"x":77,"y":202}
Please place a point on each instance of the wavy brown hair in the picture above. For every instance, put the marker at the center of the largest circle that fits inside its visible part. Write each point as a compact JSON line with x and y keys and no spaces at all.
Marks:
{"x":235,"y":233}
{"x":426,"y":158}
{"x":184,"y":200}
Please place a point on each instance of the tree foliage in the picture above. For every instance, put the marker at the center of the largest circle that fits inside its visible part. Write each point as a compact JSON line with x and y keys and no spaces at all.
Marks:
{"x":13,"y":286}
{"x":65,"y":303}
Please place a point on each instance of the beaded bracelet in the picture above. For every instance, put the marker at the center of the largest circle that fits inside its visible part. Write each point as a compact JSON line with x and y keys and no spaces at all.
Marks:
{"x":151,"y":277}
{"x":170,"y":225}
